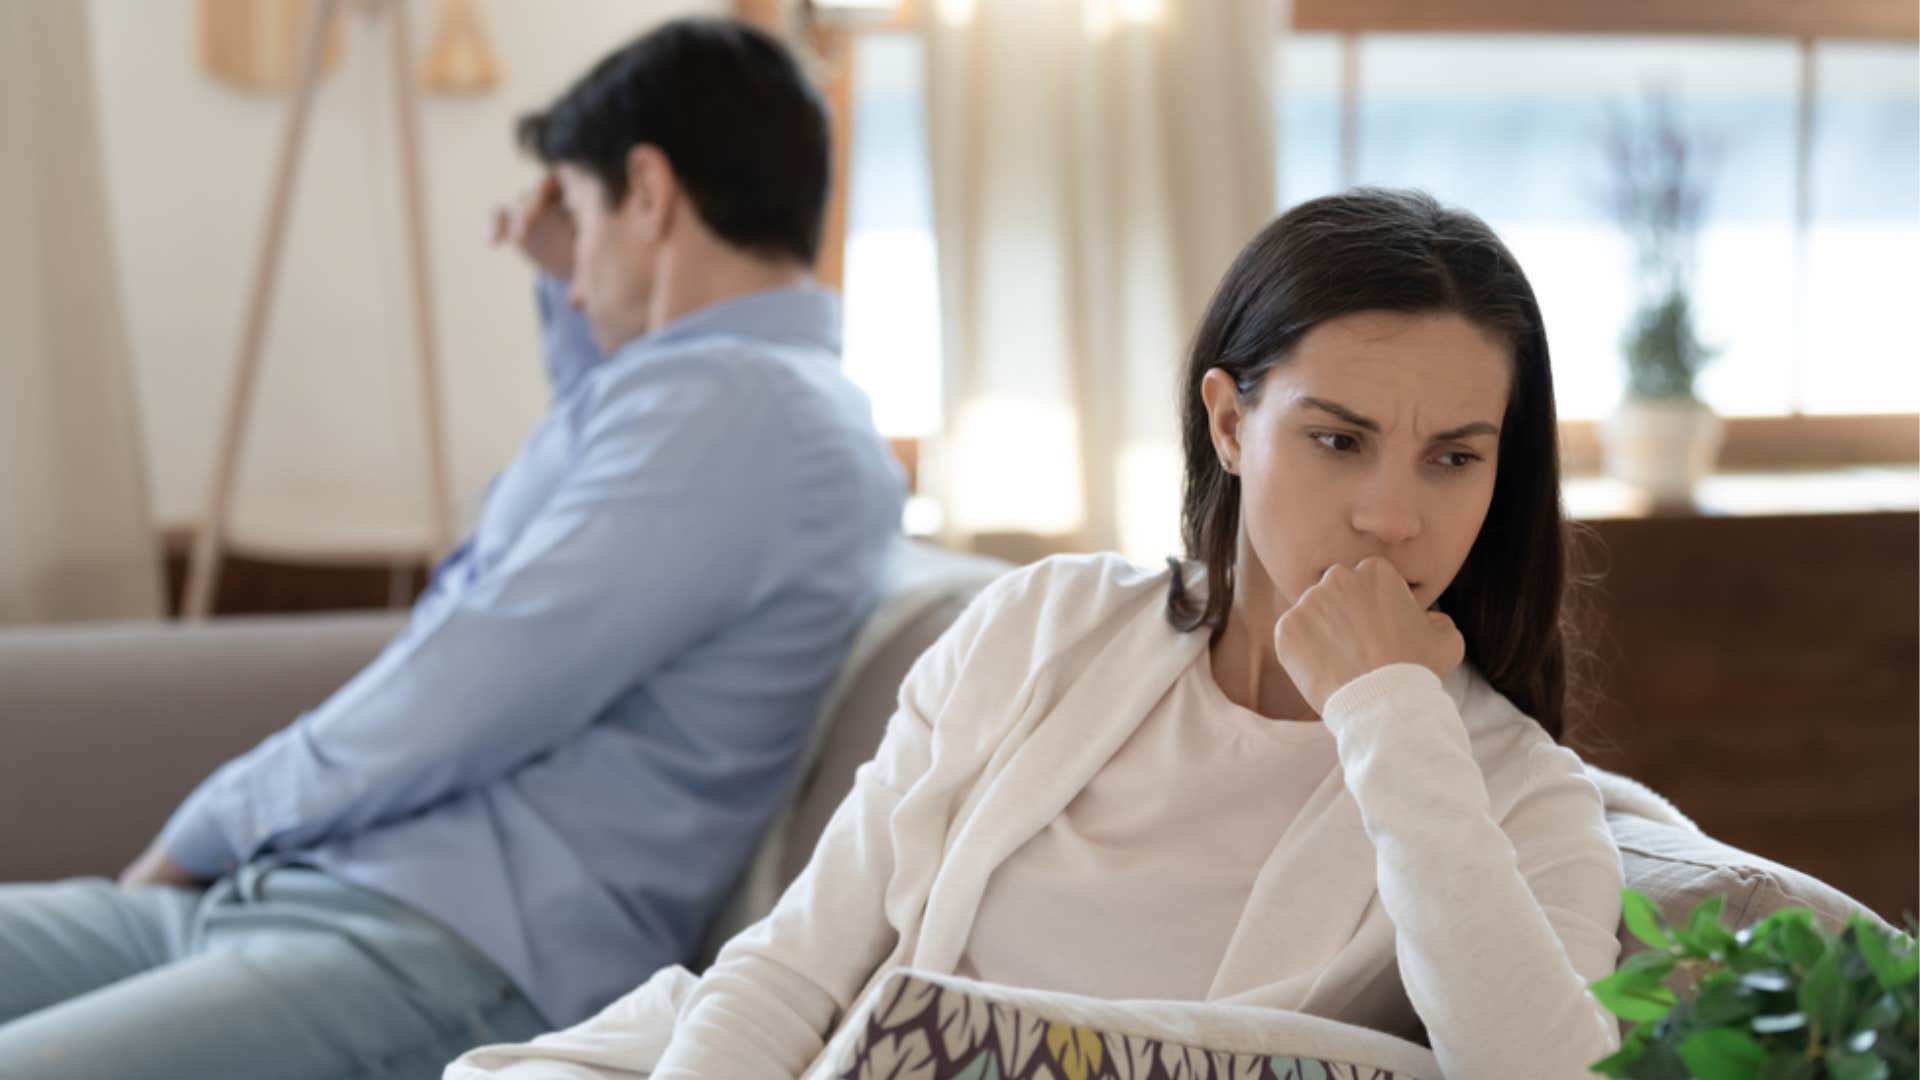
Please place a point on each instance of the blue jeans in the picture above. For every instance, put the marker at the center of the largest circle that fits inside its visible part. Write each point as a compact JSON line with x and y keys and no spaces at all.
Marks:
{"x":274,"y":971}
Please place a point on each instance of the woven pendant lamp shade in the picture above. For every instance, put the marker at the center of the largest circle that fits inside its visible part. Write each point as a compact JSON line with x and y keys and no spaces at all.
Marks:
{"x":255,"y":44}
{"x":460,"y":60}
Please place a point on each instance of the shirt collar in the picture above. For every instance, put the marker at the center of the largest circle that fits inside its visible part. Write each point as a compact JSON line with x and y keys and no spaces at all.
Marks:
{"x":805,"y":314}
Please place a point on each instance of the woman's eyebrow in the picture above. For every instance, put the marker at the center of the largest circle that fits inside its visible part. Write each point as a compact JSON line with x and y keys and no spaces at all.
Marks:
{"x":1334,"y":408}
{"x":1478,"y":427}
{"x":1338,"y":410}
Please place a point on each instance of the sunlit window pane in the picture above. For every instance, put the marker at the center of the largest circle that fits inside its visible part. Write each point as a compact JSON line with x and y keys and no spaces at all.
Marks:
{"x":892,"y":346}
{"x":1510,"y":127}
{"x":1863,"y":354}
{"x":1307,"y":82}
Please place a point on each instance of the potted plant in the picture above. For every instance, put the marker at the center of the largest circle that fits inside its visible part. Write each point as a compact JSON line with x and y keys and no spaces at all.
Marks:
{"x":1661,"y":438}
{"x":1779,"y":1001}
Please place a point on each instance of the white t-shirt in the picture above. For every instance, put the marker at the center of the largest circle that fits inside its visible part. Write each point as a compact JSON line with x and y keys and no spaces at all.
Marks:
{"x":1135,"y":889}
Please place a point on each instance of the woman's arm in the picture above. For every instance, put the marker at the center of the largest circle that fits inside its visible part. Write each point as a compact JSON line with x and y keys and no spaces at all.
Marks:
{"x":1500,"y":925}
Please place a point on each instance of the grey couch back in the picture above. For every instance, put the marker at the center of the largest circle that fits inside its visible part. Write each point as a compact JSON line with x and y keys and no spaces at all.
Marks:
{"x":105,"y":728}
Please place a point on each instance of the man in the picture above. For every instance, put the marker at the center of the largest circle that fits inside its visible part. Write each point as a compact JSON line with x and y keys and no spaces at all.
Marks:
{"x":542,"y":790}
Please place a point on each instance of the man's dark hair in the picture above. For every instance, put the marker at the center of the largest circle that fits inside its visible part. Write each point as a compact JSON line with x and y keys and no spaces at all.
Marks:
{"x":1383,"y":250}
{"x":745,"y":131}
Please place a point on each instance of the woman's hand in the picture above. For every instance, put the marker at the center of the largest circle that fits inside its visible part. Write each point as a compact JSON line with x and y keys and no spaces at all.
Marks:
{"x":1356,"y":620}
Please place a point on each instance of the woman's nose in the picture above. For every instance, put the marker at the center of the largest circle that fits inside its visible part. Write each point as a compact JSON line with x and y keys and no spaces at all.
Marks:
{"x":1387,"y":508}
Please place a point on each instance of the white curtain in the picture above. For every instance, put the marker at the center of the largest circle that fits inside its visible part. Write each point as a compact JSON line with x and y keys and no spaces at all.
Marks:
{"x":76,"y":538}
{"x":1096,"y":166}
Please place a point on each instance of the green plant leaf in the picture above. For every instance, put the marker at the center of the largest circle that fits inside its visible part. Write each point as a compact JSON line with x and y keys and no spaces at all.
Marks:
{"x":1657,"y":964}
{"x":1687,"y":934}
{"x":1723,"y":1054}
{"x":1724,"y":1003}
{"x":1704,"y":933}
{"x":1631,"y":1047}
{"x":1782,"y":1067}
{"x":1883,"y":1012}
{"x":1797,"y":942}
{"x":1883,"y":954}
{"x":1844,"y":1066}
{"x":1658,"y":1063}
{"x":1635,"y":995}
{"x":1644,"y":920}
{"x":1825,"y":998}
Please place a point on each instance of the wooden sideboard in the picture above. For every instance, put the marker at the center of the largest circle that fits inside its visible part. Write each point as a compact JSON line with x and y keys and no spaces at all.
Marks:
{"x":1761,"y":673}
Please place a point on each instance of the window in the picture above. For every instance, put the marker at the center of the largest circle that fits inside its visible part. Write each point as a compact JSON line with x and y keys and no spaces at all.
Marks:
{"x":1862,"y":277}
{"x":892,"y":346}
{"x":1509,"y":126}
{"x":1807,"y":292}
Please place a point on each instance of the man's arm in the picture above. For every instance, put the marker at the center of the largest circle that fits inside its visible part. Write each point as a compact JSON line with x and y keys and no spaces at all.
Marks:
{"x":566,"y":341}
{"x":538,"y":225}
{"x":653,"y":540}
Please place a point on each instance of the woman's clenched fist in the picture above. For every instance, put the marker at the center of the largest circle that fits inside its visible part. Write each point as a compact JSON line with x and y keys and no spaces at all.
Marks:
{"x":1359,"y":619}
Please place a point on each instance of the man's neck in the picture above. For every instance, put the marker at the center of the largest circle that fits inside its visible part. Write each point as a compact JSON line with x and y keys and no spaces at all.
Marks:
{"x":703,"y":282}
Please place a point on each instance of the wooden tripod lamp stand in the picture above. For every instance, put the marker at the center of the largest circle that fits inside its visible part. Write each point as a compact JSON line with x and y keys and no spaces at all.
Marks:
{"x":210,"y":538}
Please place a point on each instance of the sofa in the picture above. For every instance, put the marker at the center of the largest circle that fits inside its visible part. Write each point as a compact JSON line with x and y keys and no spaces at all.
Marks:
{"x":107,"y":727}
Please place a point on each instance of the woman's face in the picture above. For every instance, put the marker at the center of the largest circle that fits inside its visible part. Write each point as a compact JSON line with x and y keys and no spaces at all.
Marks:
{"x":1379,"y":436}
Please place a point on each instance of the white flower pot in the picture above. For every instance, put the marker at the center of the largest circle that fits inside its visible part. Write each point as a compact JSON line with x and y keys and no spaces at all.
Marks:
{"x":1662,"y":447}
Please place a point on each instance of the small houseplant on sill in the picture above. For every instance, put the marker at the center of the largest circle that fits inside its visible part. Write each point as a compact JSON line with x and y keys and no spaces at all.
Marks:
{"x":1662,"y":438}
{"x":1778,"y":1001}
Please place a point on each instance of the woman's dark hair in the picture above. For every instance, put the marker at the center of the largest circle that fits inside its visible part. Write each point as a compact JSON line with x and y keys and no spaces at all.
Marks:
{"x":1379,"y":250}
{"x":728,"y":105}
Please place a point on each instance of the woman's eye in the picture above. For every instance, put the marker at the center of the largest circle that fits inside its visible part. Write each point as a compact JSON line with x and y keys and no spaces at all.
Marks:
{"x":1336,"y":441}
{"x":1457,"y":459}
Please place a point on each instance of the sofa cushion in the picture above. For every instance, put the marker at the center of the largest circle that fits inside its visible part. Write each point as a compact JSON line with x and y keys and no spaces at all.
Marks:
{"x":858,"y":725}
{"x":914,"y":1025}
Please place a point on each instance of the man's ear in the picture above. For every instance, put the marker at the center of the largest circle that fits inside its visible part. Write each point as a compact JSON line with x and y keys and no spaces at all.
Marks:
{"x":1224,"y":413}
{"x":654,"y":189}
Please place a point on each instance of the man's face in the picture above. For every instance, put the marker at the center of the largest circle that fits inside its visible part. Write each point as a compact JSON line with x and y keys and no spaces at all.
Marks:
{"x":613,"y":258}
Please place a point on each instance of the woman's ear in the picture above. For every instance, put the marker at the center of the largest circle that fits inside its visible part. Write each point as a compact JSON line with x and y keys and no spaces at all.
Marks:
{"x":1224,"y":413}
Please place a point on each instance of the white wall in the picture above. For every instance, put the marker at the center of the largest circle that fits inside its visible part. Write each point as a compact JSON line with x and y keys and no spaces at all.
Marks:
{"x":188,"y":163}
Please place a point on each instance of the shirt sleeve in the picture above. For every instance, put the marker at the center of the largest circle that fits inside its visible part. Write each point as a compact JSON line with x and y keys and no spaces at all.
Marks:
{"x":566,"y":340}
{"x":1500,"y":925}
{"x":648,"y":544}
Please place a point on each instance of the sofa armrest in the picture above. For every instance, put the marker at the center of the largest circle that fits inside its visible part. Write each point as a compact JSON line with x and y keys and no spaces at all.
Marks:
{"x":108,"y":727}
{"x":1678,"y":867}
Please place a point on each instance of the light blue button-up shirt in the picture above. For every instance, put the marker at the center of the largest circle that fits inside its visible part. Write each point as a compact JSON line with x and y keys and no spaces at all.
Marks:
{"x":570,"y":753}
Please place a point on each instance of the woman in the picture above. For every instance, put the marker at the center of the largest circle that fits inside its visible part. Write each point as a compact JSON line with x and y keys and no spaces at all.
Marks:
{"x":1266,"y":777}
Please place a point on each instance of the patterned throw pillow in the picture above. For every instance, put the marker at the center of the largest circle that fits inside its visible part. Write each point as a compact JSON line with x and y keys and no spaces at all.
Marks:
{"x":919,"y":1030}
